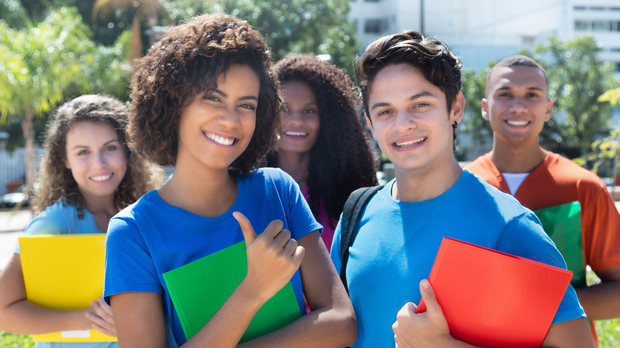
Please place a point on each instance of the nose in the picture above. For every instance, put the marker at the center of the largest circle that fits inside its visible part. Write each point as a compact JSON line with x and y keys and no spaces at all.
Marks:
{"x":100,"y":160}
{"x":229,"y":118}
{"x":292,"y":117}
{"x":404,"y":122}
{"x":517,"y":105}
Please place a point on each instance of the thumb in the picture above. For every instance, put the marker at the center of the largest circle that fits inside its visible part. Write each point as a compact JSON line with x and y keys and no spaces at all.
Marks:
{"x":428,"y":295}
{"x":246,"y":228}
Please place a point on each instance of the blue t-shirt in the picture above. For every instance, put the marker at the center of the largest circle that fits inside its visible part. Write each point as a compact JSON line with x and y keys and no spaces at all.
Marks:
{"x":152,"y":237}
{"x":61,"y":218}
{"x":398,"y":241}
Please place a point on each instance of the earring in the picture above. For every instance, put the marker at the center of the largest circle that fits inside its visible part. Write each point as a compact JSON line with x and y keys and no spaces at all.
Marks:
{"x":455,"y":124}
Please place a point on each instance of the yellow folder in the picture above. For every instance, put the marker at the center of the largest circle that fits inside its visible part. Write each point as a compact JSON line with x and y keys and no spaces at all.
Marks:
{"x":66,"y":272}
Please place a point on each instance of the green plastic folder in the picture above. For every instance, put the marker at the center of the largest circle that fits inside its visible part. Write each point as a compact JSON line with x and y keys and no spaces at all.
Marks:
{"x":563,"y":225}
{"x":200,"y":288}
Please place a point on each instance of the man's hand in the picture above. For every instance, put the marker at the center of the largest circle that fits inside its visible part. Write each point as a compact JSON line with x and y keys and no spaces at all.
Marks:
{"x":428,"y":329}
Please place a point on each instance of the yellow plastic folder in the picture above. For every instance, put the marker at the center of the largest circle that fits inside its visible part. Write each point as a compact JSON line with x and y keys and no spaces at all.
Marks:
{"x":64,"y":272}
{"x":198,"y":290}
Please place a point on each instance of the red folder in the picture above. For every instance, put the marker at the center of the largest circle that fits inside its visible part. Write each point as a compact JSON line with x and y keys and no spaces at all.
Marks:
{"x":494,"y":299}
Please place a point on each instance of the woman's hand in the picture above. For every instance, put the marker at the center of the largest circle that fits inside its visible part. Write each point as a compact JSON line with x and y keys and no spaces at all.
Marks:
{"x":273,"y":257}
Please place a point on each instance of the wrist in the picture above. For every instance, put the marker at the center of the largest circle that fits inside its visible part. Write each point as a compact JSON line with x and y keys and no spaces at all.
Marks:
{"x":78,"y":320}
{"x":250,"y":294}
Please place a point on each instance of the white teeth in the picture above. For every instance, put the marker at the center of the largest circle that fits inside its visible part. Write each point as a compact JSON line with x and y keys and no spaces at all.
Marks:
{"x":411,"y":142}
{"x":101,"y":177}
{"x":220,"y":140}
{"x":296,"y":134}
{"x":517,"y":123}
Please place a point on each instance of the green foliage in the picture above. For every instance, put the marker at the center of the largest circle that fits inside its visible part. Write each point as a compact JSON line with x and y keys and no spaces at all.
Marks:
{"x":474,"y":85}
{"x":288,"y":26}
{"x":42,"y":65}
{"x":12,"y":12}
{"x":576,"y":78}
{"x":8,"y":340}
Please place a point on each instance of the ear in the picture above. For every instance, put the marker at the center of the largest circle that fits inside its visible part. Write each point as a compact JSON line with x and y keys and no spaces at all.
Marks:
{"x":372,"y":129}
{"x":485,"y":109}
{"x":458,"y":108}
{"x":548,"y":110}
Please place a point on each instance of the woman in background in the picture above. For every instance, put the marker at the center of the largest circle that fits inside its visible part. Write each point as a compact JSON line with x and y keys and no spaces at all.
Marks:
{"x":88,"y":174}
{"x":322,"y":142}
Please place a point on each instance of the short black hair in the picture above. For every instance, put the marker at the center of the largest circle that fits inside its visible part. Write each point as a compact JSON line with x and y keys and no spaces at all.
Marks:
{"x":517,"y":60}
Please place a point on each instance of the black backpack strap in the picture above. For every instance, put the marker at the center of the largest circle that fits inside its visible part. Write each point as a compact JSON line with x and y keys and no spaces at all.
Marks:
{"x":351,"y":215}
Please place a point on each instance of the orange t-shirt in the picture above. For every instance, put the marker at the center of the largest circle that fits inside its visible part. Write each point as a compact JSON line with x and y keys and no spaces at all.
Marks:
{"x":558,"y":181}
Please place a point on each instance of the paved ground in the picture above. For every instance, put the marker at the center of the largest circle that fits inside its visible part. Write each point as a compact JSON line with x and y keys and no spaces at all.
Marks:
{"x":12,"y":224}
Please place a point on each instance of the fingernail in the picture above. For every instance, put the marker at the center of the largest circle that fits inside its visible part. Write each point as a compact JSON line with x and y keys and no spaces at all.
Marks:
{"x":425,"y":284}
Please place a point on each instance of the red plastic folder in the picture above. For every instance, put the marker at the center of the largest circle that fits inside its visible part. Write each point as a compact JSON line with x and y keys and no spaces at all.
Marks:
{"x":494,"y":299}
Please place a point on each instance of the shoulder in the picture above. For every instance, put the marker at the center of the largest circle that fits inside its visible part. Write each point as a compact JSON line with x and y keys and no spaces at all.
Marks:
{"x":483,"y":167}
{"x":488,"y":200}
{"x":55,"y":219}
{"x":563,"y":169}
{"x":270,"y":178}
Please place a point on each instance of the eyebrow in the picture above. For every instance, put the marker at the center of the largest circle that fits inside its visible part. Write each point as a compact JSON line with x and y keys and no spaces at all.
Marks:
{"x":249,"y":97}
{"x":106,"y":143}
{"x":528,"y":88}
{"x":413,"y":97}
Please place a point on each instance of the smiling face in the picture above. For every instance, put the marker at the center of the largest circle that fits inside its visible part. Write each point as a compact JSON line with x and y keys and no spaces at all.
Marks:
{"x":218,"y":125}
{"x":516,"y":104}
{"x":300,"y":118}
{"x":96,"y":158}
{"x":410,"y":118}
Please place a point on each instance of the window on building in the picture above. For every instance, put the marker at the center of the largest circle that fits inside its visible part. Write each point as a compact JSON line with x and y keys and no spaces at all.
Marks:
{"x":614,"y":9}
{"x":372,"y":0}
{"x":615,"y":26}
{"x":617,"y":67}
{"x":614,"y":49}
{"x":581,"y":25}
{"x":373,"y":26}
{"x":580,"y":8}
{"x":597,"y":8}
{"x":600,"y":25}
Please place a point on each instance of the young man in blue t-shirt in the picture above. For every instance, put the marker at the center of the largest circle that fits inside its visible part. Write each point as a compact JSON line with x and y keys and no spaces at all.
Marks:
{"x":410,"y":86}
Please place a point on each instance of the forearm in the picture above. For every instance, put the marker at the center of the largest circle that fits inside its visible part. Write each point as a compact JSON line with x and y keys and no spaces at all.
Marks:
{"x":323,"y":327}
{"x":26,"y":318}
{"x":601,"y":301}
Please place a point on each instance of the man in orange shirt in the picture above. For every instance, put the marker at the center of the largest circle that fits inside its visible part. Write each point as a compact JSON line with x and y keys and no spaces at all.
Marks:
{"x":572,"y":203}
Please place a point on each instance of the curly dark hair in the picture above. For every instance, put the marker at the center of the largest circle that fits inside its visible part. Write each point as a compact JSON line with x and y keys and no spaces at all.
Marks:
{"x":187,"y":62}
{"x":341,"y":161}
{"x":433,"y":57}
{"x":56,"y":181}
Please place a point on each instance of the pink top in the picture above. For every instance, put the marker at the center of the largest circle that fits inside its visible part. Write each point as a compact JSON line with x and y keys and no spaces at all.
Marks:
{"x":323,"y":219}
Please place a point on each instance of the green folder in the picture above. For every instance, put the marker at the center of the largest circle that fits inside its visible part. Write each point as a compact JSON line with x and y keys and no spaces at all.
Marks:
{"x":563,"y":225}
{"x":198,"y":290}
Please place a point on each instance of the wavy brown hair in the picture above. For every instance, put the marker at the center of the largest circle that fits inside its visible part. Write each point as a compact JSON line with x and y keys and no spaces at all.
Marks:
{"x":56,"y":181}
{"x":341,"y":161}
{"x":187,"y":62}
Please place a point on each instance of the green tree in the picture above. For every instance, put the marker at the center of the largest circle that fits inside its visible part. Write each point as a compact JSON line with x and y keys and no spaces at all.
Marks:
{"x":288,"y":26}
{"x":42,"y":65}
{"x":576,"y":78}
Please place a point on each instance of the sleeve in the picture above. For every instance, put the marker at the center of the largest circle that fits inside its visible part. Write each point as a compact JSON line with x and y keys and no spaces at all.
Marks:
{"x":302,"y":220}
{"x":601,"y":231}
{"x":335,"y":250}
{"x":128,"y":263}
{"x":525,"y":237}
{"x":46,"y":222}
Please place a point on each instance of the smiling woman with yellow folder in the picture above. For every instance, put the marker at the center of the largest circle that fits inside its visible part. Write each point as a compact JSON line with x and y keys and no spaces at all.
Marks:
{"x":87,"y":176}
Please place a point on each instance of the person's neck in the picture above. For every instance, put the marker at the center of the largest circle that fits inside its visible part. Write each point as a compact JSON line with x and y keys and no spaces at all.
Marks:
{"x":99,"y":205}
{"x":296,"y":164}
{"x":424,"y":184}
{"x":200,"y":190}
{"x":517,"y":158}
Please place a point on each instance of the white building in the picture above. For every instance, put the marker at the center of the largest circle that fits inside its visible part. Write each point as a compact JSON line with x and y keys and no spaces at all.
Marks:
{"x":483,"y":30}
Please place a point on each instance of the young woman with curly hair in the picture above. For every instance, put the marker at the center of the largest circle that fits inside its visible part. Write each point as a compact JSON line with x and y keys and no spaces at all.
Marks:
{"x":205,"y":100}
{"x":88,"y":174}
{"x":322,"y":142}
